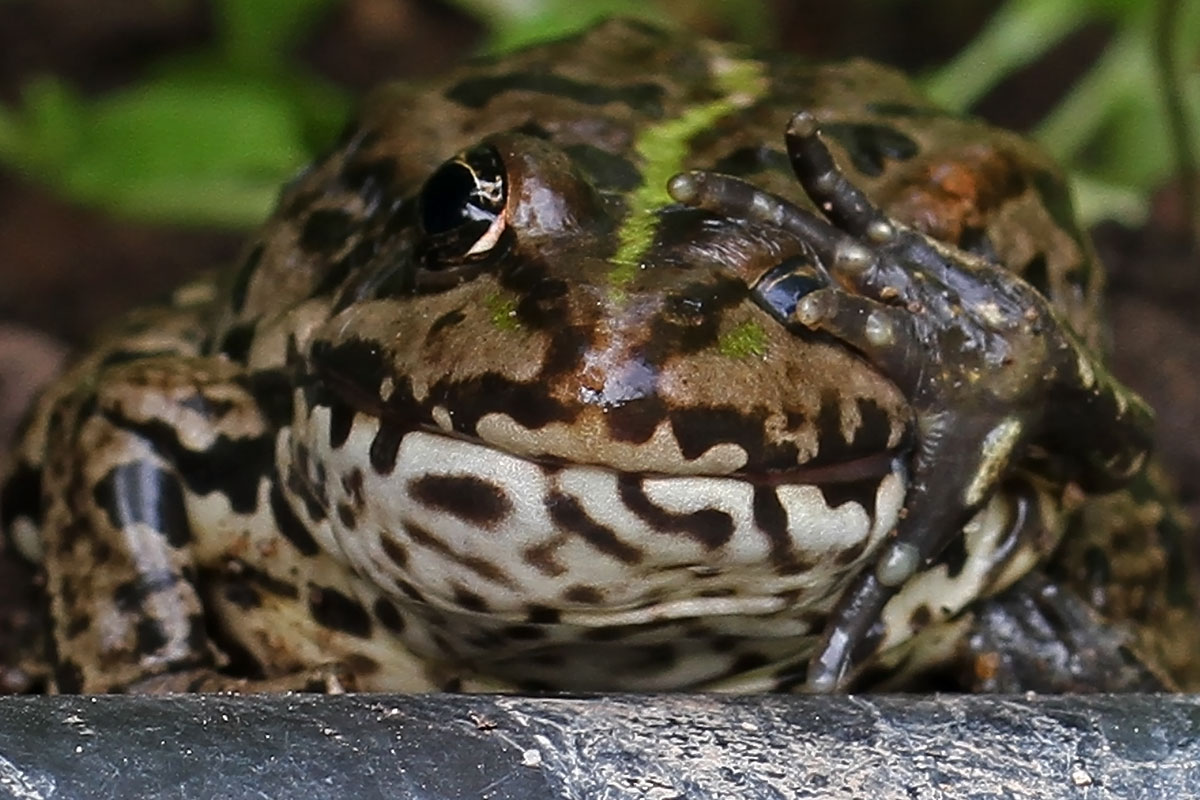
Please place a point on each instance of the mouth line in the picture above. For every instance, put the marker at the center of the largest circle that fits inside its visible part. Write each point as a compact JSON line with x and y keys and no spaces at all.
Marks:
{"x":873,"y":466}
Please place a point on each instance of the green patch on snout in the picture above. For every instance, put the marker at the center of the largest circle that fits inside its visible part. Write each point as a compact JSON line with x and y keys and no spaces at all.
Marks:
{"x":746,"y":340}
{"x":662,"y":149}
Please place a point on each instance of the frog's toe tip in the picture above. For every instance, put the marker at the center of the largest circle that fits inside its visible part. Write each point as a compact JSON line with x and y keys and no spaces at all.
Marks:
{"x":684,"y":188}
{"x":803,"y":124}
{"x":852,"y":258}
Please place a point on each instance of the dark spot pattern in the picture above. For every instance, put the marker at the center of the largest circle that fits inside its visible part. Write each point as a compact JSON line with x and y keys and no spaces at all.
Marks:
{"x":1036,"y":271}
{"x":746,"y":161}
{"x":652,"y":658}
{"x":338,"y":611}
{"x":236,"y":342}
{"x":771,"y":518}
{"x":326,"y":230}
{"x":583,"y":595}
{"x":359,"y":256}
{"x":341,"y":421}
{"x":871,"y":146}
{"x":354,"y":370}
{"x":347,"y":516}
{"x":68,"y":677}
{"x":466,"y":497}
{"x":289,"y":525}
{"x":469,"y":600}
{"x":394,"y":550}
{"x":139,"y":493}
{"x":372,"y":180}
{"x":524,"y":633}
{"x":477,"y":92}
{"x":445,"y":321}
{"x":543,"y":557}
{"x":232,"y":466}
{"x":21,"y":496}
{"x":920,"y":618}
{"x":636,"y":420}
{"x":388,"y":615}
{"x":272,"y":392}
{"x":77,"y":625}
{"x":869,"y":438}
{"x":954,"y":556}
{"x":476,"y":564}
{"x":131,"y":596}
{"x":242,"y":595}
{"x":569,"y":515}
{"x":241,"y":282}
{"x":711,"y":527}
{"x":149,"y":636}
{"x":607,"y":171}
{"x":236,"y":571}
{"x":542,"y":615}
{"x":861,"y":492}
{"x":409,"y":590}
{"x":385,"y":448}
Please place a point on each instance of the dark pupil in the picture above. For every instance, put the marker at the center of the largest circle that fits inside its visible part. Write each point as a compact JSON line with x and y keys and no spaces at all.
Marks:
{"x":457,"y":194}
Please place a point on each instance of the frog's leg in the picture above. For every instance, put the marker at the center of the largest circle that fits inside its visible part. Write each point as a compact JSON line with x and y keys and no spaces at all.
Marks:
{"x":1117,"y":610}
{"x":993,"y":377}
{"x":1041,"y":636}
{"x":152,"y":467}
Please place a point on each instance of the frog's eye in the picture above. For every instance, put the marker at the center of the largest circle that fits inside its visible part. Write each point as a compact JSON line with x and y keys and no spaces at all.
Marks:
{"x":462,"y":207}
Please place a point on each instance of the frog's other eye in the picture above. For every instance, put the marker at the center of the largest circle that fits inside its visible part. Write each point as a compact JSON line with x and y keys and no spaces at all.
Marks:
{"x":462,"y":207}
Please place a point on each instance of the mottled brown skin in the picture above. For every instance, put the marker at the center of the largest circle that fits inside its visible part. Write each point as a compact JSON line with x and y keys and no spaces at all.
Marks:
{"x":483,"y":408}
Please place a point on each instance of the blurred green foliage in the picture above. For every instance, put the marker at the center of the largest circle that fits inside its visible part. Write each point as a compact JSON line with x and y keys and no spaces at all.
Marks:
{"x":1112,"y":130}
{"x":208,"y":137}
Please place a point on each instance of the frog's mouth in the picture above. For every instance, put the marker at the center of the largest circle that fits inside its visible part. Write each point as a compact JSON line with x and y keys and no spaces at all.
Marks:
{"x":466,"y":527}
{"x":843,"y":438}
{"x":498,"y":517}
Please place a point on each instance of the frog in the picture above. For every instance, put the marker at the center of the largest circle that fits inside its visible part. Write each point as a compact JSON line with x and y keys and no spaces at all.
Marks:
{"x":633,"y":361}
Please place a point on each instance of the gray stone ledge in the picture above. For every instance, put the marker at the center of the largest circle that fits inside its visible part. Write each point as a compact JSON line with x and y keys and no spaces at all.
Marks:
{"x":610,"y":748}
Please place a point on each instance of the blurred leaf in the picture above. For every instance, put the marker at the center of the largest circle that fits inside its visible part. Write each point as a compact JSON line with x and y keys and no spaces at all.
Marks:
{"x":46,"y":129}
{"x":257,"y":35}
{"x":515,"y":23}
{"x":1097,"y":200}
{"x":1111,"y":126}
{"x":163,"y":149}
{"x":1017,"y":34}
{"x":207,"y":139}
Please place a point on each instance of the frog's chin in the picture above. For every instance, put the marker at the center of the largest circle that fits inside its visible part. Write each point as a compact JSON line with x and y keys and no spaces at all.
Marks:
{"x":457,"y":525}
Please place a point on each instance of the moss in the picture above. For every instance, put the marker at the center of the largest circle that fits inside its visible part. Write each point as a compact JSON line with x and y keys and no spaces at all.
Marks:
{"x":503,"y":309}
{"x":747,"y":339}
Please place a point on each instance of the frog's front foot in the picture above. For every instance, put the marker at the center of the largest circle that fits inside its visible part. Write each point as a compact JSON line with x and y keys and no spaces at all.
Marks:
{"x":994,"y":378}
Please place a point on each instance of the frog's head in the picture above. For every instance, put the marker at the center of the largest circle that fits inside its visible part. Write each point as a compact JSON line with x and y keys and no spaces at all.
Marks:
{"x":535,"y":383}
{"x":525,"y":308}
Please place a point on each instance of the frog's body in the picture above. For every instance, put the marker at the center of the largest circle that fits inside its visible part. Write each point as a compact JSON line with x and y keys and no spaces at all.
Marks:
{"x":517,"y":419}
